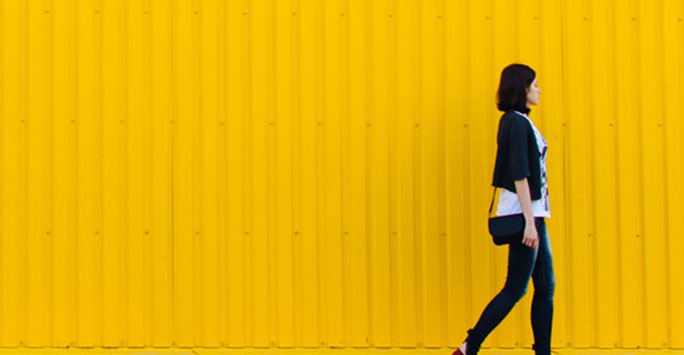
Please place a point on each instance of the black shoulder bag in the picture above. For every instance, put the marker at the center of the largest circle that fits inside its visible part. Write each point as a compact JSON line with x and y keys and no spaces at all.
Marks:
{"x":506,"y":229}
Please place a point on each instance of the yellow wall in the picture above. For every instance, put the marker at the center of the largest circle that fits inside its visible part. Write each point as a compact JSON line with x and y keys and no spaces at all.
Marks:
{"x":317,"y":172}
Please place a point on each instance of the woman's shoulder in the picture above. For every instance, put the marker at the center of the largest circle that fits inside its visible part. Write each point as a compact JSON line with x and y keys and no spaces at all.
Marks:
{"x":516,"y":119}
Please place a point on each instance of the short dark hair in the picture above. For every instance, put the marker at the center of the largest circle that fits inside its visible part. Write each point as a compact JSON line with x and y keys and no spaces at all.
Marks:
{"x":512,"y":94}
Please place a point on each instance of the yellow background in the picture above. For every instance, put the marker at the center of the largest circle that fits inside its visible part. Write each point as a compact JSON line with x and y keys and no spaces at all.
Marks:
{"x":316,"y":173}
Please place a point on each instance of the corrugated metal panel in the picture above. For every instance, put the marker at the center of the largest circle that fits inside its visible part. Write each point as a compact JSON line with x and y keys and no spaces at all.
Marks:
{"x":316,"y":174}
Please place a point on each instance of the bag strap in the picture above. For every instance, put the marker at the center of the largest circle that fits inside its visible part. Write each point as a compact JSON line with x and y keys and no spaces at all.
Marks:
{"x":491,"y":205}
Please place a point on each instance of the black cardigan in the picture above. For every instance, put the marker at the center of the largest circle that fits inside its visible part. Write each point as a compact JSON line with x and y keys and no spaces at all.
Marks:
{"x":517,"y":155}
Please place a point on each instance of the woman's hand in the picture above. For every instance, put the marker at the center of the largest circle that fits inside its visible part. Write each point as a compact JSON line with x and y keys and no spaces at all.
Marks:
{"x":530,"y":237}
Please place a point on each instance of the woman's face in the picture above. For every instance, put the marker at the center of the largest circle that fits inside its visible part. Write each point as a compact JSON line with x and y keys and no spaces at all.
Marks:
{"x":533,"y":92}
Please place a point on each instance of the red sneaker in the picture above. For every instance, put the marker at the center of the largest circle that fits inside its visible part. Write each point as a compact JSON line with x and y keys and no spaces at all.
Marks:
{"x":460,"y":351}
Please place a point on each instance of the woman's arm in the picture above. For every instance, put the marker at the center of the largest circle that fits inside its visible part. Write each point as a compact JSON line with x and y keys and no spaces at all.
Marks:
{"x":522,"y":189}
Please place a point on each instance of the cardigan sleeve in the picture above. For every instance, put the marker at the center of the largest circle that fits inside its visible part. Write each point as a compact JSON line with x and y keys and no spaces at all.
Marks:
{"x":518,"y":163}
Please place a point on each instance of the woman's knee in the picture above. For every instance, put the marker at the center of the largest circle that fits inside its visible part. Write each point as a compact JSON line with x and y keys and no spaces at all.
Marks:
{"x":547,"y":290}
{"x":515,"y":292}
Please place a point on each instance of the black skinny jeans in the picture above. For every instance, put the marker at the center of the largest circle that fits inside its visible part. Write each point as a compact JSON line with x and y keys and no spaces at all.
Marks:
{"x":523,"y":262}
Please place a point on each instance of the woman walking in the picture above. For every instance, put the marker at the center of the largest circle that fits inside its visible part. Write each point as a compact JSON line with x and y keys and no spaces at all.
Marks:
{"x":520,"y":173}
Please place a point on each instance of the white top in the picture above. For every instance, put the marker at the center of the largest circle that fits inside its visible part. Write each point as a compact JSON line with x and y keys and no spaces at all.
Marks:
{"x":508,"y":200}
